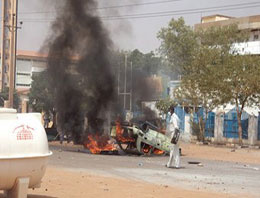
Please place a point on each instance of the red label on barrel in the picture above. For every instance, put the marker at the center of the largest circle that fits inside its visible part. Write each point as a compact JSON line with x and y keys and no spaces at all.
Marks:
{"x":24,"y":132}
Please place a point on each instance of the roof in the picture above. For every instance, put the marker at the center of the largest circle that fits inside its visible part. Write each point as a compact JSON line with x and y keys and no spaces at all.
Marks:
{"x":216,"y":15}
{"x":249,"y":22}
{"x":31,"y":55}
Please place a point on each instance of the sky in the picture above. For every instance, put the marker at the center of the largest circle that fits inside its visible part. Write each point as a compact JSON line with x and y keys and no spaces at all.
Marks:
{"x":130,"y":33}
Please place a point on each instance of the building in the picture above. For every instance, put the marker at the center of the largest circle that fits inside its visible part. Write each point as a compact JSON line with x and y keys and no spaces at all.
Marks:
{"x":225,"y":123}
{"x":27,"y":64}
{"x":249,"y":23}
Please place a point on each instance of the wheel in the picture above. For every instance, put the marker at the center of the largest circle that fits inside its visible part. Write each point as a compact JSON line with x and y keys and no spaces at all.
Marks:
{"x":127,"y":147}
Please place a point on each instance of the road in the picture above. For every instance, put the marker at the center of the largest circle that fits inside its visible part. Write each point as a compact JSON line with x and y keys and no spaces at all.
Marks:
{"x":209,"y":175}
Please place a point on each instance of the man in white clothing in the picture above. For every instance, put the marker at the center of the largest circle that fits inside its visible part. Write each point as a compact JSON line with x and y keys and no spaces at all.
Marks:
{"x":173,"y":131}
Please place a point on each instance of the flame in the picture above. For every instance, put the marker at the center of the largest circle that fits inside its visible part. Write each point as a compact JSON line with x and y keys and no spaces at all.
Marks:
{"x":96,"y":144}
{"x":147,"y":148}
{"x":158,"y":152}
{"x":120,"y":134}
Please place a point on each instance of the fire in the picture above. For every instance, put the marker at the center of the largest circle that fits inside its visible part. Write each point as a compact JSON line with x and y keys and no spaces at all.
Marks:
{"x":96,"y":144}
{"x":147,"y":148}
{"x":158,"y":152}
{"x":121,"y":136}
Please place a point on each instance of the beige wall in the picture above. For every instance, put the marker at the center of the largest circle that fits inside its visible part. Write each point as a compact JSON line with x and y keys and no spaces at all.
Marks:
{"x":214,"y":18}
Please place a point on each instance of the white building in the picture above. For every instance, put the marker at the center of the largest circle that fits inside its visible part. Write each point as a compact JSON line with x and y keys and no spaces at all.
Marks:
{"x":28,"y":63}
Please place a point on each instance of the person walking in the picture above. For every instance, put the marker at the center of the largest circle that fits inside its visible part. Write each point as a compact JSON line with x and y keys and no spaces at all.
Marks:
{"x":174,"y":133}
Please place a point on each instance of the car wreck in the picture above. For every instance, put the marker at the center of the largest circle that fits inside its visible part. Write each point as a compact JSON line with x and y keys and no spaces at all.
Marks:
{"x":143,"y":137}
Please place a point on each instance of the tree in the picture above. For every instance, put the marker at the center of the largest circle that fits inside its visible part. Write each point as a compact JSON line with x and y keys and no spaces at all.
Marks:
{"x":40,"y":96}
{"x":148,"y":62}
{"x":4,"y":95}
{"x":178,"y":44}
{"x":240,"y":85}
{"x":164,"y":105}
{"x":213,"y":72}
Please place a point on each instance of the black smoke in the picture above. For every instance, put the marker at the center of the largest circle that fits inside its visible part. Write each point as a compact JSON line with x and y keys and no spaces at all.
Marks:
{"x":79,"y":67}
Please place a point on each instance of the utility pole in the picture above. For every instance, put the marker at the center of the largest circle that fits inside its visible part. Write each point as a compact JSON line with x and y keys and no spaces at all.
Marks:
{"x":125,"y":93}
{"x":125,"y":82}
{"x":8,"y":50}
{"x":131,"y":87}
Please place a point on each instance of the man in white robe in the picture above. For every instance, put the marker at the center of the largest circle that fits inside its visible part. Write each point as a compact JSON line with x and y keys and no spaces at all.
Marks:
{"x":173,"y":129}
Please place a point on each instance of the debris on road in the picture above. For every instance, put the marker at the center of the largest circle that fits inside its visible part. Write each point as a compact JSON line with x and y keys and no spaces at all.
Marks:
{"x":194,"y":162}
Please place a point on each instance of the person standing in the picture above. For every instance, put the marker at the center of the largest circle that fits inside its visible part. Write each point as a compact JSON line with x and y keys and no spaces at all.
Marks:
{"x":46,"y":118}
{"x":174,"y":133}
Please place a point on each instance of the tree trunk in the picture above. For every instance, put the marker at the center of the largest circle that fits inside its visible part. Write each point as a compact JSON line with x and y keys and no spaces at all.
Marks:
{"x":201,"y":135}
{"x":202,"y":126}
{"x":239,"y":113}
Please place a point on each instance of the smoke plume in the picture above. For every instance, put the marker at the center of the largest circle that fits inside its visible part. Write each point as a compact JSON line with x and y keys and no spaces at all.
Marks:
{"x":79,"y":67}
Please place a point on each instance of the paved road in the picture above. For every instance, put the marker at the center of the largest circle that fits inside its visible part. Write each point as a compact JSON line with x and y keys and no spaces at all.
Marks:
{"x":214,"y":176}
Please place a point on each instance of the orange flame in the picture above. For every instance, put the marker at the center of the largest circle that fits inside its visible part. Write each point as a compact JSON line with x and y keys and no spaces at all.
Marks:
{"x":158,"y":152}
{"x":121,"y":136}
{"x":96,"y":144}
{"x":147,"y":148}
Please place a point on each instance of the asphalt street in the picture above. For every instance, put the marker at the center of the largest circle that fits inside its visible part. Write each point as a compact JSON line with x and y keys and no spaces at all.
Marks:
{"x":209,"y":175}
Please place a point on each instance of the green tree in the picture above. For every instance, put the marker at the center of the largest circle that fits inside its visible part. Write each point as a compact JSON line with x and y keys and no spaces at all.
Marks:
{"x":164,"y":105}
{"x":178,"y":44}
{"x":40,"y":96}
{"x":4,"y":95}
{"x":148,"y":62}
{"x":240,"y":85}
{"x":213,"y":72}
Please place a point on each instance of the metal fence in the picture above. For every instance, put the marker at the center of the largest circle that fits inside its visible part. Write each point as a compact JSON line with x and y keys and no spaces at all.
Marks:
{"x":259,"y":127}
{"x":231,"y":126}
{"x":210,"y":122}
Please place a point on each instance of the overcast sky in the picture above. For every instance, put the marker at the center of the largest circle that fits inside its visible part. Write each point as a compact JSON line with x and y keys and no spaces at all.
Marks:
{"x":127,"y":34}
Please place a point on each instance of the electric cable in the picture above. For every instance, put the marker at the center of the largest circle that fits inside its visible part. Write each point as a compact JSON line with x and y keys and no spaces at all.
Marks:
{"x":165,"y":13}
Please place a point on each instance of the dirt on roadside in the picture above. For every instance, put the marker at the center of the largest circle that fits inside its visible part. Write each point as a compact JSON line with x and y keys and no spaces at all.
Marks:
{"x":221,"y":153}
{"x":63,"y":183}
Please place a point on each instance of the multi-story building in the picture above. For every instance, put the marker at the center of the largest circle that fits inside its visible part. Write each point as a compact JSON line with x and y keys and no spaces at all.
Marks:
{"x":250,"y":23}
{"x":27,"y":63}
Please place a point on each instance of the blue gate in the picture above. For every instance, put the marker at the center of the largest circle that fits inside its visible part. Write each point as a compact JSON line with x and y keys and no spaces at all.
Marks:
{"x":210,"y":123}
{"x":259,"y":127}
{"x":231,"y":126}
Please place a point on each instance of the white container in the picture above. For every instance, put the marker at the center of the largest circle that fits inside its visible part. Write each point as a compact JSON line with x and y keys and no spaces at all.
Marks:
{"x":23,"y":149}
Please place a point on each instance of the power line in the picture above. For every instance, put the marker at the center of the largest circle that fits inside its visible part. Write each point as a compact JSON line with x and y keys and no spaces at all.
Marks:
{"x":176,"y":12}
{"x":111,"y":7}
{"x":168,"y":13}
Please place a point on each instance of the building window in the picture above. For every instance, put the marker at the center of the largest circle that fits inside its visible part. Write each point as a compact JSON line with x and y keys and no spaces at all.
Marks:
{"x":256,"y":37}
{"x":24,"y":74}
{"x":23,"y":85}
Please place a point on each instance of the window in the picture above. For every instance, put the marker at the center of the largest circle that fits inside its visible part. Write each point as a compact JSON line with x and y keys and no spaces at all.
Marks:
{"x":23,"y":85}
{"x":24,"y":74}
{"x":256,"y":37}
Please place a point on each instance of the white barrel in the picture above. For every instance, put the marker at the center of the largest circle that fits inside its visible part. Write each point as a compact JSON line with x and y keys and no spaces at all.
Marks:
{"x":23,"y":148}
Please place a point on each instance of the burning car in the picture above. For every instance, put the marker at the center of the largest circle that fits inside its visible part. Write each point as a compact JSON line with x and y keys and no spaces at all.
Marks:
{"x":143,"y":137}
